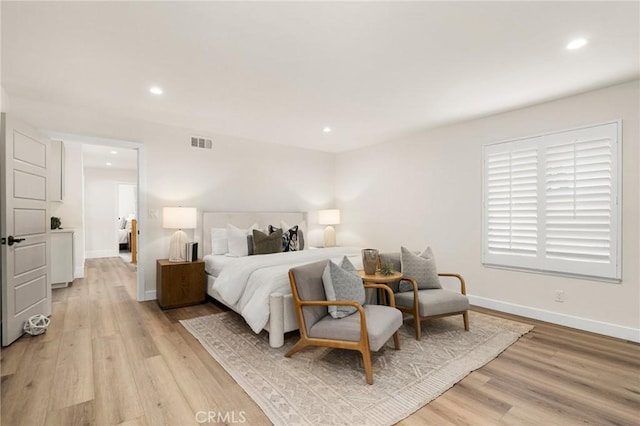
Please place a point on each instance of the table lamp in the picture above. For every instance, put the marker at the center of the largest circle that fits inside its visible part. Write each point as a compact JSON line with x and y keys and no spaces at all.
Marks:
{"x":329,"y":217}
{"x":178,"y":218}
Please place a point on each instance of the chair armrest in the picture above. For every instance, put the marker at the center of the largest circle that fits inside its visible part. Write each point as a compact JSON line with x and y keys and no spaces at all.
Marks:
{"x":414,"y":284}
{"x":463,"y":287}
{"x":330,"y":303}
{"x":392,"y":298}
{"x":416,"y":297}
{"x":411,"y":281}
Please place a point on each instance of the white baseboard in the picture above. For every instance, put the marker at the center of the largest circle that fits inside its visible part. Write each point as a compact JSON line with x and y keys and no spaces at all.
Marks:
{"x":96,"y":254}
{"x":78,"y":272}
{"x":608,"y":329}
{"x":150,"y":295}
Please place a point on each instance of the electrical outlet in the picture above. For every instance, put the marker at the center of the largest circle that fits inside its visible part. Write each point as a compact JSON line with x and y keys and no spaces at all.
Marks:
{"x":559,"y":296}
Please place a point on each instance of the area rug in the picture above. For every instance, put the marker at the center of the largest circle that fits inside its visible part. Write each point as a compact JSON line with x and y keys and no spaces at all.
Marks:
{"x":323,"y":386}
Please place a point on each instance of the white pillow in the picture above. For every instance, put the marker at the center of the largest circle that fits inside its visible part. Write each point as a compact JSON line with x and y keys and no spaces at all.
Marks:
{"x":237,"y":240}
{"x":302,"y":226}
{"x":219,"y":242}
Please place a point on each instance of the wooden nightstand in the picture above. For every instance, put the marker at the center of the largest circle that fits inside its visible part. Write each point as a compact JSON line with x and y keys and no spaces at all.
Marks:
{"x":179,"y":283}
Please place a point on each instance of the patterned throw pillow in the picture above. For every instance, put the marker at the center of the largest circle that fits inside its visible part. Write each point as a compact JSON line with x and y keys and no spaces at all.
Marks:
{"x":421,"y":268}
{"x":342,"y":283}
{"x":302,"y":231}
{"x":291,"y":239}
{"x":267,"y":244}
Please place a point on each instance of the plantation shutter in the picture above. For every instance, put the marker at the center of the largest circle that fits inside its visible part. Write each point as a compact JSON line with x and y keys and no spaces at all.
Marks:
{"x":581,"y":201}
{"x":551,"y":203}
{"x":512,"y":202}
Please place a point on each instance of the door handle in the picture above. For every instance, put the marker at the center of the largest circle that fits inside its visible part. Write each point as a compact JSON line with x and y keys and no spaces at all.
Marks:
{"x":11,"y":241}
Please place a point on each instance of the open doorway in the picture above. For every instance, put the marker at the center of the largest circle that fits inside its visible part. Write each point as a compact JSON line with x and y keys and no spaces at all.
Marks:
{"x":108,"y":229}
{"x":127,"y":222}
{"x":101,"y":166}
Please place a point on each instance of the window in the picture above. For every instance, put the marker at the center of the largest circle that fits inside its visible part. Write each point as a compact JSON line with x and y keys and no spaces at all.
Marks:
{"x":551,"y":203}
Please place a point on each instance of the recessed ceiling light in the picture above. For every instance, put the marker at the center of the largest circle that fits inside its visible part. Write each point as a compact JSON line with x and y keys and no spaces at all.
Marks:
{"x":114,"y":152}
{"x":156,"y":90}
{"x":327,"y":129}
{"x":108,"y":164}
{"x":577,"y":43}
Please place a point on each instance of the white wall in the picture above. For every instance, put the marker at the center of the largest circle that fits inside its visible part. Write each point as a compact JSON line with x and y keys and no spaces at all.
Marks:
{"x":237,"y":175}
{"x":127,"y":200}
{"x":101,"y":209}
{"x":426,"y":190}
{"x":70,"y":211}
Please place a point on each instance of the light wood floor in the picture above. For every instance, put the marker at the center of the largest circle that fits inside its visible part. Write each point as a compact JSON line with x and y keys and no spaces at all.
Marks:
{"x":107,"y":359}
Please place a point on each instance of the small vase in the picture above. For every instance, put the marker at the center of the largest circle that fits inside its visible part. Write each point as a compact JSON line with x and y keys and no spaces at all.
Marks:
{"x":370,"y":261}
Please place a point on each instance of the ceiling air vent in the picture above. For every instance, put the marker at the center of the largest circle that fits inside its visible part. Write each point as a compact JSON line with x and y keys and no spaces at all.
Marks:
{"x":197,"y":142}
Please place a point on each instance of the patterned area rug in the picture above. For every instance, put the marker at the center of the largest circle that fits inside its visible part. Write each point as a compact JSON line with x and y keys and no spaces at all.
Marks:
{"x":323,"y":386}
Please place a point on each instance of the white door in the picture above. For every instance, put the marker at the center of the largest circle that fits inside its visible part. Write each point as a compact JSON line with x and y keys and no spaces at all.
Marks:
{"x":26,"y":287}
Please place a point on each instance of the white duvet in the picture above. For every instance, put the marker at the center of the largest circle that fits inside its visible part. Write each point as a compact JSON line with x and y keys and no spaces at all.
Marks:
{"x":246,"y":283}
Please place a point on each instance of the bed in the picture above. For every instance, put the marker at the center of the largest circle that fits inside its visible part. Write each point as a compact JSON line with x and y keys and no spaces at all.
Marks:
{"x":257,"y":286}
{"x":124,"y":230}
{"x":123,"y":239}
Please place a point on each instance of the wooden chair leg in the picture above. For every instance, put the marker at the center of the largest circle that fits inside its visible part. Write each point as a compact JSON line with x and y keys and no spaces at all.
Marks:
{"x":418,"y":325}
{"x":465,"y":317}
{"x":297,"y":347}
{"x":396,"y":340}
{"x":368,"y":370}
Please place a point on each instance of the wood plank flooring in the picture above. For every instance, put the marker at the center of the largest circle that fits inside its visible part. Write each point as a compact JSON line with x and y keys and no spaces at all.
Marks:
{"x":109,"y":360}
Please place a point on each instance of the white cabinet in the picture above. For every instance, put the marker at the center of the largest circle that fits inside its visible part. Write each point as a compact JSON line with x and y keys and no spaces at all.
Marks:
{"x":56,"y":171}
{"x":61,"y":257}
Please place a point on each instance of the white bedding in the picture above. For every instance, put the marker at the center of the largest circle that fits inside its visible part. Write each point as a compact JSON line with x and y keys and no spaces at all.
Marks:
{"x":123,"y":236}
{"x":214,"y":263}
{"x":246,"y":283}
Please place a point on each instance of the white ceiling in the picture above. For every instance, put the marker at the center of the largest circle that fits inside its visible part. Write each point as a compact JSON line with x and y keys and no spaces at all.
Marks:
{"x":97,"y":157}
{"x":280,"y":72}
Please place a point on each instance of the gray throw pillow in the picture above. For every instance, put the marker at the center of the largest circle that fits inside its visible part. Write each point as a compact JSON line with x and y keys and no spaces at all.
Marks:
{"x":266,"y":244}
{"x":348,"y":266}
{"x":421,"y":268}
{"x":342,"y":283}
{"x":250,"y":245}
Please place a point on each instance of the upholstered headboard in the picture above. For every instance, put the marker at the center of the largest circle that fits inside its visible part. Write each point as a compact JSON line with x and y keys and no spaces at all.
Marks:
{"x":244,"y":220}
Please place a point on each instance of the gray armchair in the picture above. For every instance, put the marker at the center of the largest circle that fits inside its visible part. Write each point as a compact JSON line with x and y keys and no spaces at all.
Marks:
{"x":366,"y":330}
{"x":428,"y":303}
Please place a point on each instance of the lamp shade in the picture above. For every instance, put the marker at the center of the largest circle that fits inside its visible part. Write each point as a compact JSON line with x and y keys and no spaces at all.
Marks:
{"x":329,"y":217}
{"x":179,"y":217}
